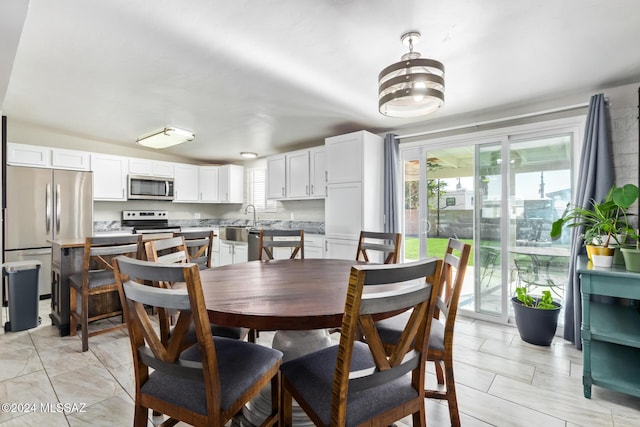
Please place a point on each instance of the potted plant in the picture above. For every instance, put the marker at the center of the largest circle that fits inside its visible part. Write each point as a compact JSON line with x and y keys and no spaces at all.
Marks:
{"x":605,"y":224}
{"x":536,"y":317}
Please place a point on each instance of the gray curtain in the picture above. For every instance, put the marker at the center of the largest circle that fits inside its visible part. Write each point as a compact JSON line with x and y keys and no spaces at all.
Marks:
{"x":391,"y":188}
{"x":595,"y":178}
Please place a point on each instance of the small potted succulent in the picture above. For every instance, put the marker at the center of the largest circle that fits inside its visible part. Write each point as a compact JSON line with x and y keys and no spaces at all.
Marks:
{"x":605,"y":224}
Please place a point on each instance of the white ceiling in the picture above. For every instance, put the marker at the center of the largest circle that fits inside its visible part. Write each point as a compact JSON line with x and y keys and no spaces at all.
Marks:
{"x":270,"y":76}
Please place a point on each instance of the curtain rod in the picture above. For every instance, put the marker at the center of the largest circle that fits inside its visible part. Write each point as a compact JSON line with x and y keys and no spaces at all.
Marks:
{"x":487,"y":122}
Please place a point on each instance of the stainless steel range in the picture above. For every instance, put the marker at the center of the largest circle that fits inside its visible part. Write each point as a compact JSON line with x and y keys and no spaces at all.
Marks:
{"x":148,"y":222}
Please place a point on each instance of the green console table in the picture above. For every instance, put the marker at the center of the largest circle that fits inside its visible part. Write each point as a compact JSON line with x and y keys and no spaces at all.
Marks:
{"x":610,"y":328}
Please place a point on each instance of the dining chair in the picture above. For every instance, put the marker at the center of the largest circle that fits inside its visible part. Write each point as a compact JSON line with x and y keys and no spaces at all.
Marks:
{"x":357,"y":383}
{"x":210,"y":381}
{"x":97,"y":282}
{"x":388,"y":244}
{"x":199,"y":246}
{"x":174,"y":250}
{"x":270,"y":240}
{"x":451,"y":280}
{"x":167,"y":251}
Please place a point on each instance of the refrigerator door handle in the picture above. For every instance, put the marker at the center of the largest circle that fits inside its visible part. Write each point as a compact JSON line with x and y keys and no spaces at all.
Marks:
{"x":47,"y":201}
{"x":58,"y":208}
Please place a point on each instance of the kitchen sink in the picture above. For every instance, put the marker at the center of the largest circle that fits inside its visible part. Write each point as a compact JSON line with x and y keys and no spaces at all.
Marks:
{"x":236,"y":234}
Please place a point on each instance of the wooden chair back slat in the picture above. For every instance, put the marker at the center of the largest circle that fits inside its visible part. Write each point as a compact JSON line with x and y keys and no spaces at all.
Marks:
{"x":386,"y":243}
{"x":267,"y":242}
{"x":199,"y":246}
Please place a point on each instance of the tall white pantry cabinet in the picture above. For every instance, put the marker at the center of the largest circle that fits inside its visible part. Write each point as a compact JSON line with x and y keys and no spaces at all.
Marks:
{"x":355,"y":182}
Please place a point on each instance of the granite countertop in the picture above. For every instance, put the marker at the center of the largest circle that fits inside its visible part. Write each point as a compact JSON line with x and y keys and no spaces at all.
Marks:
{"x":102,"y":228}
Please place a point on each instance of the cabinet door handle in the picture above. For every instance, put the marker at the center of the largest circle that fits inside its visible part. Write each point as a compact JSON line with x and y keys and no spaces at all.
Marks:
{"x":283,"y":191}
{"x":326,"y":176}
{"x":312,"y":189}
{"x":307,"y":190}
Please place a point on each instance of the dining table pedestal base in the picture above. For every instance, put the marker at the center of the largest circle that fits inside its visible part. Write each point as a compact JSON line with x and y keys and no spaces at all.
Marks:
{"x":292,"y":344}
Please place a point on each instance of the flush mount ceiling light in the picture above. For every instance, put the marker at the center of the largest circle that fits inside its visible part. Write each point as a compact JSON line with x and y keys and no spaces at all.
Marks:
{"x":412,"y":87}
{"x":165,"y":137}
{"x":249,"y":154}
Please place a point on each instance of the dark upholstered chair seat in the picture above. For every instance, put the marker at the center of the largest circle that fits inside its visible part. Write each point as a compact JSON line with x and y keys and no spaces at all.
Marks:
{"x":391,"y":328}
{"x":312,"y":376}
{"x":240,"y":364}
{"x":96,"y":279}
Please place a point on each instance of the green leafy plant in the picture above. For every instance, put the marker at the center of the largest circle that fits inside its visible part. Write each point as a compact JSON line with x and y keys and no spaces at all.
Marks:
{"x":603,"y":222}
{"x":545,"y":302}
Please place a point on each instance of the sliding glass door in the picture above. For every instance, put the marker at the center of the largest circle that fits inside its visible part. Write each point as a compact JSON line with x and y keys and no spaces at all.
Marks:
{"x":500,"y":194}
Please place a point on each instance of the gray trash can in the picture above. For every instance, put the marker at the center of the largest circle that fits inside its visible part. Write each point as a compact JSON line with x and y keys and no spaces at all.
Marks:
{"x":22,"y":294}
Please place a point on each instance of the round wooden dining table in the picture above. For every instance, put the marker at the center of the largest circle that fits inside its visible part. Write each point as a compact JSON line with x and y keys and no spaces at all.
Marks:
{"x":286,"y":294}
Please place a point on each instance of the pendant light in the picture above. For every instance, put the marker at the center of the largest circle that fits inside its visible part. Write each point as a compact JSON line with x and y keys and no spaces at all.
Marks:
{"x":412,"y":87}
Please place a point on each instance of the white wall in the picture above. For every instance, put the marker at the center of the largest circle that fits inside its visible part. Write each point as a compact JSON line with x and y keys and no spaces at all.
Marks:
{"x":623,"y":113}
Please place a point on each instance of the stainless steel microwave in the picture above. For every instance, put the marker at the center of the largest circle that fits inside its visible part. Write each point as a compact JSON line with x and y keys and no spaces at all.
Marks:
{"x":142,"y":187}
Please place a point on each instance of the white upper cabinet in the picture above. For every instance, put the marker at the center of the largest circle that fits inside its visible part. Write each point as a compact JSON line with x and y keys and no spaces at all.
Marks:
{"x":231,"y":184}
{"x":185,"y":184}
{"x":297,"y":170}
{"x":208,"y":182}
{"x":28,"y":155}
{"x":148,"y":167}
{"x":317,"y":172}
{"x":70,"y":159}
{"x":276,"y":177}
{"x":297,"y":175}
{"x":109,"y":177}
{"x":355,"y":180}
{"x":344,"y":158}
{"x":47,"y":157}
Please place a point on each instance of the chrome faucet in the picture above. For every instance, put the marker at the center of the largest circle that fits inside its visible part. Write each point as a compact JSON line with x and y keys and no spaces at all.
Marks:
{"x":246,"y":211}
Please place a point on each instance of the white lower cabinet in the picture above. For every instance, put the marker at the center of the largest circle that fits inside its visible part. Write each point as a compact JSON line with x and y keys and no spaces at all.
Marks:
{"x":341,"y":248}
{"x":232,"y":252}
{"x":240,"y":253}
{"x":313,"y":246}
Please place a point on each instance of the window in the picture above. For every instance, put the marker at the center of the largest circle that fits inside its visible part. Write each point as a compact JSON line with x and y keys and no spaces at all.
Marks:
{"x":256,"y":190}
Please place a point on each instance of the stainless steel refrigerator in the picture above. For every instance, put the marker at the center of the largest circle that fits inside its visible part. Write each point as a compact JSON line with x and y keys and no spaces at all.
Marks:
{"x":42,"y":205}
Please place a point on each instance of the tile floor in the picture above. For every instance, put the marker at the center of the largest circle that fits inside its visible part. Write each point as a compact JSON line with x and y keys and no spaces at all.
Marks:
{"x":502,"y":381}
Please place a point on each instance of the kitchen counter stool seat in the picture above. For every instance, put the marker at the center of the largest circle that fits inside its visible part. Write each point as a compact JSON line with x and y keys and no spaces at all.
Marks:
{"x":97,"y":278}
